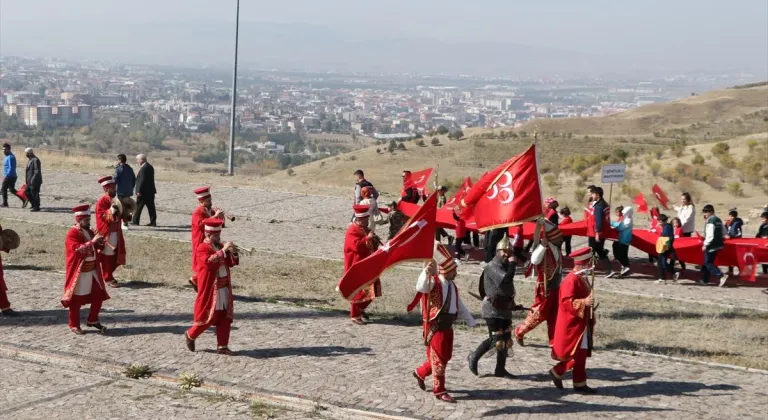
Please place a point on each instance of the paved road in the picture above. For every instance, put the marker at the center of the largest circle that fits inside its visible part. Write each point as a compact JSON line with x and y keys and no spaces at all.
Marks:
{"x":311,"y":225}
{"x":319,"y":356}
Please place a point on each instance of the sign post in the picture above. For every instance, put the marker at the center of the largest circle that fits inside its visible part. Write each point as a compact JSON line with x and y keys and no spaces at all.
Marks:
{"x":613,"y":174}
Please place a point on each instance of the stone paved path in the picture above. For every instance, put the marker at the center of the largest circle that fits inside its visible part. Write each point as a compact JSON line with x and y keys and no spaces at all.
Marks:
{"x":319,"y":356}
{"x":311,"y":225}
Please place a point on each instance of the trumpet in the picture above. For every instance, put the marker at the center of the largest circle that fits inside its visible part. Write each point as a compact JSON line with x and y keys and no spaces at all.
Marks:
{"x":241,"y":250}
{"x":229,"y":217}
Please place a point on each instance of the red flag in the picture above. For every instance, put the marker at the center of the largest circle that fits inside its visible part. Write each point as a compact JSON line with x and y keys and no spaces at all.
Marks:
{"x":660,"y":196}
{"x":507,"y":195}
{"x":463,"y":189}
{"x":642,"y":205}
{"x":414,"y":242}
{"x":747,"y":261}
{"x":420,"y":179}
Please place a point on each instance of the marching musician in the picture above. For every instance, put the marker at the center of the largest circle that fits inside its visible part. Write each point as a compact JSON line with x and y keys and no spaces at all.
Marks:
{"x":109,"y":225}
{"x":203,"y":211}
{"x":572,"y":343}
{"x":213,"y":305}
{"x":547,"y":263}
{"x":359,"y":243}
{"x":440,"y":306}
{"x":84,"y":283}
{"x":497,"y":289}
{"x":5,"y":305}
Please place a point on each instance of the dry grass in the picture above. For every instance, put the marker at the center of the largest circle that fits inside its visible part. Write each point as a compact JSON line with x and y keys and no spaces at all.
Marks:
{"x":672,"y":328}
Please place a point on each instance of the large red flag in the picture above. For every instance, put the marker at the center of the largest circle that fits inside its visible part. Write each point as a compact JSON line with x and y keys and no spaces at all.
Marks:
{"x":456,"y":199}
{"x":747,"y":261}
{"x":420,"y":179}
{"x":642,"y":205}
{"x":506,"y":196}
{"x":660,"y":196}
{"x":415,"y":241}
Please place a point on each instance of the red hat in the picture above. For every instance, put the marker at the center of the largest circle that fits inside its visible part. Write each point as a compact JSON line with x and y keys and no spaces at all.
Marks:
{"x":82,"y":211}
{"x":444,"y":259}
{"x":548,"y":201}
{"x":203,"y":192}
{"x":361,"y":210}
{"x":105,"y":181}
{"x":213,"y":224}
{"x":581,"y":257}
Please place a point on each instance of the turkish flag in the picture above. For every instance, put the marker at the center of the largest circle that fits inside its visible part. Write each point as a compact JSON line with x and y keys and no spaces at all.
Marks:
{"x":506,"y":196}
{"x":420,"y":179}
{"x":456,"y":199}
{"x":747,"y":261}
{"x":639,"y":201}
{"x":415,"y":241}
{"x":660,"y":196}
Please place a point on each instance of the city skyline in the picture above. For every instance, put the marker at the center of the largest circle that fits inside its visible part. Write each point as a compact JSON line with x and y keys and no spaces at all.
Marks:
{"x":493,"y":38}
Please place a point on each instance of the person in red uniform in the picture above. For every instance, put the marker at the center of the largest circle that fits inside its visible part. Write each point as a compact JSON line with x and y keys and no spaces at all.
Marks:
{"x":203,"y":211}
{"x":572,"y":343}
{"x":547,"y":263}
{"x":213,"y":305}
{"x":84,"y":284}
{"x":5,"y":305}
{"x":109,"y":225}
{"x":359,"y":243}
{"x":440,"y":306}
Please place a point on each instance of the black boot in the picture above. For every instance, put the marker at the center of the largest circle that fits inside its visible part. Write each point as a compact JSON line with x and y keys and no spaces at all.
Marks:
{"x":501,"y":362}
{"x":474,"y":358}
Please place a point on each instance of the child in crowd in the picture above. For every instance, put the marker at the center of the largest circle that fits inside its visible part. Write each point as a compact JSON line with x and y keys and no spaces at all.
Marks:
{"x":654,"y":228}
{"x":666,"y":254}
{"x":762,"y":232}
{"x":735,"y":224}
{"x":565,"y":218}
{"x":621,"y":247}
{"x":677,"y":226}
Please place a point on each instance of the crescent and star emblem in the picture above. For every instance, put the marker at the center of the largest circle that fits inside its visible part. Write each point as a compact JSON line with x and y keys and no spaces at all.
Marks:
{"x":421,"y":178}
{"x":503,"y":190}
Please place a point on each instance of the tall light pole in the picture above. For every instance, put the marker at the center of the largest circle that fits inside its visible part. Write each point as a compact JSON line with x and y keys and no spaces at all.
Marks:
{"x":231,"y":167}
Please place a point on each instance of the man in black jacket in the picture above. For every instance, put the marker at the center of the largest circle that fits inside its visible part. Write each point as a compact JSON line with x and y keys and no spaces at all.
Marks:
{"x":145,"y":191}
{"x":34,"y":179}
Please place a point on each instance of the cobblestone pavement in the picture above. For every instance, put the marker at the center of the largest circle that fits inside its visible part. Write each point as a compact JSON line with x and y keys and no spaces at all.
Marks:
{"x":319,"y":356}
{"x":31,"y":391}
{"x":311,"y":225}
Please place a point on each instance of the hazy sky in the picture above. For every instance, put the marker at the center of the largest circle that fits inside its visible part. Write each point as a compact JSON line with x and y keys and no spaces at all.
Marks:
{"x":698,"y":31}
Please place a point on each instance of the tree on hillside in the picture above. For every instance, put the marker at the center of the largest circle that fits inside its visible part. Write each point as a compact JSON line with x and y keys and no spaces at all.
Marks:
{"x":392,"y":146}
{"x":621,"y":154}
{"x":435,"y":141}
{"x":552,"y":182}
{"x":442,"y":130}
{"x":401,"y":146}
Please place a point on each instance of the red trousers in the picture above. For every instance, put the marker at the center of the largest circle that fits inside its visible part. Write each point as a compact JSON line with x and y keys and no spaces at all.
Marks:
{"x":544,"y":308}
{"x":74,"y":313}
{"x":579,"y":365}
{"x":108,"y":267}
{"x":356,"y":309}
{"x":439,"y":352}
{"x":223,"y":328}
{"x":4,"y":303}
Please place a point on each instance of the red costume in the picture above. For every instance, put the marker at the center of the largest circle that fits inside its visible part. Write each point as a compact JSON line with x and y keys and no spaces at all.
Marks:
{"x":547,"y":262}
{"x":5,"y":305}
{"x":201,"y":213}
{"x":440,"y":306}
{"x":109,"y":226}
{"x":358,"y":246}
{"x":572,"y":343}
{"x":214,"y":304}
{"x":84,"y":284}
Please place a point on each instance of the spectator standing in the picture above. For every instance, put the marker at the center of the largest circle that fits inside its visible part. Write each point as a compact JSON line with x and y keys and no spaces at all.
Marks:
{"x":598,"y":223}
{"x":735,"y":225}
{"x":125,"y":180}
{"x":360,"y":184}
{"x":714,"y":242}
{"x":624,"y":226}
{"x":762,"y":232}
{"x":677,"y":225}
{"x":9,"y":176}
{"x":34,"y":179}
{"x":686,"y":212}
{"x":145,"y":191}
{"x":565,"y":218}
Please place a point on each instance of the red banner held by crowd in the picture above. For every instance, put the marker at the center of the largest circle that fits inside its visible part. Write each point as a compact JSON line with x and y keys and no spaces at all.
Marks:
{"x":507,"y":195}
{"x":660,"y":196}
{"x":414,"y":242}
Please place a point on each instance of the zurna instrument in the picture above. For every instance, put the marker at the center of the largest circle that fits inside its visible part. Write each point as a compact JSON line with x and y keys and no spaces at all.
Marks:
{"x":229,"y":217}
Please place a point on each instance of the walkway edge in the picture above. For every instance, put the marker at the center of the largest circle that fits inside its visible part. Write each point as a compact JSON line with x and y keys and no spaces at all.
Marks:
{"x":691,"y":361}
{"x":116,"y":372}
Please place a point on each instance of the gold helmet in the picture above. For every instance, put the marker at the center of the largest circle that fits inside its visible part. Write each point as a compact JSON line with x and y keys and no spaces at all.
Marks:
{"x":504,"y":244}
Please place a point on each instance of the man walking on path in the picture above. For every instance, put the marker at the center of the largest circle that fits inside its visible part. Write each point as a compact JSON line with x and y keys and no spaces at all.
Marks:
{"x":145,"y":191}
{"x":124,"y":179}
{"x":714,"y":242}
{"x":34,"y":179}
{"x":9,"y":176}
